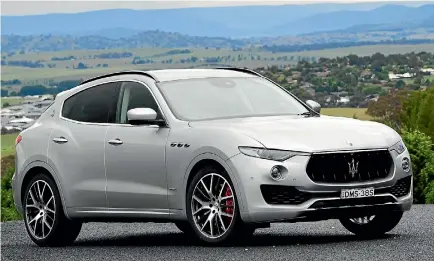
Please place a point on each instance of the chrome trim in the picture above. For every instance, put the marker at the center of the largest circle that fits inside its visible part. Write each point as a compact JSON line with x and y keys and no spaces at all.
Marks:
{"x":382,"y":195}
{"x":347,"y":151}
{"x":113,"y":124}
{"x":124,"y":212}
{"x":354,"y":184}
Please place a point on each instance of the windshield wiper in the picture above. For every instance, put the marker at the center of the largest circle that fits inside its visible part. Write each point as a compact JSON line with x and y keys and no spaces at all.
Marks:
{"x":306,"y":113}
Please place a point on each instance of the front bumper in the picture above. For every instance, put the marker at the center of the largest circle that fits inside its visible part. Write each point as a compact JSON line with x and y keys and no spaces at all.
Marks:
{"x":312,"y":201}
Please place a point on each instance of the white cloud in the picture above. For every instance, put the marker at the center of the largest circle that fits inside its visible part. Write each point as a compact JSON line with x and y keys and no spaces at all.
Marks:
{"x":18,"y":7}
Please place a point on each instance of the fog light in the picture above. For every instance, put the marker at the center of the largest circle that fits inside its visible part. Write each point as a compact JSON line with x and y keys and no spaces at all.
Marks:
{"x":406,"y":164}
{"x":276,"y":173}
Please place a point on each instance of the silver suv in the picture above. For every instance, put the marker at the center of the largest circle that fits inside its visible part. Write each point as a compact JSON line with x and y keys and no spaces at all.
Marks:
{"x":219,"y":152}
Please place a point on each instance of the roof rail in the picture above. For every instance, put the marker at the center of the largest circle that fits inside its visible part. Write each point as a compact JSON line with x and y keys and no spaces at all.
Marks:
{"x":120,"y":73}
{"x":240,"y":69}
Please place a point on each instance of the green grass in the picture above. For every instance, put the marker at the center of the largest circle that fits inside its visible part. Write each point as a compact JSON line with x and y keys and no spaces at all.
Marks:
{"x":61,"y":72}
{"x":11,"y":101}
{"x":360,"y":113}
{"x":8,"y":144}
{"x":8,"y":210}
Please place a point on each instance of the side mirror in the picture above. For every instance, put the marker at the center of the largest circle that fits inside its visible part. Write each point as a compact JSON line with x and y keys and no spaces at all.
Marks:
{"x":314,"y":105}
{"x":143,"y":116}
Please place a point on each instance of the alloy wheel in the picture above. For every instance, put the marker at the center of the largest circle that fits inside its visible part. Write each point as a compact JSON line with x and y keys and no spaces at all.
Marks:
{"x":213,"y":205}
{"x":40,"y":209}
{"x":362,"y":220}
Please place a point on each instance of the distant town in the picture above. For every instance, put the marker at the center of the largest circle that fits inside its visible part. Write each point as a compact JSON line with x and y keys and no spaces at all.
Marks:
{"x":19,"y":117}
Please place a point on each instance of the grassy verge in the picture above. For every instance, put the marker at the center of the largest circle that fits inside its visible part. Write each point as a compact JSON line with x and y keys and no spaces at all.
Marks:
{"x":8,"y":144}
{"x":8,"y":210}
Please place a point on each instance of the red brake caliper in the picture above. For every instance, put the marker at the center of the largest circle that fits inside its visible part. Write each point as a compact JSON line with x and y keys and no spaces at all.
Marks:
{"x":229,"y":202}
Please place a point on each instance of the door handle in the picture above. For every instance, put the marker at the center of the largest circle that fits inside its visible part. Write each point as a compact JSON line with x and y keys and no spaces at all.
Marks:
{"x":115,"y":142}
{"x":60,"y":140}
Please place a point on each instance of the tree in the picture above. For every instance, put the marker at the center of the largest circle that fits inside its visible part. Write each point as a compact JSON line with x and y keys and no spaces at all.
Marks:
{"x":400,"y":84}
{"x":6,"y":104}
{"x":387,"y":109}
{"x":33,"y":90}
{"x":418,"y":111}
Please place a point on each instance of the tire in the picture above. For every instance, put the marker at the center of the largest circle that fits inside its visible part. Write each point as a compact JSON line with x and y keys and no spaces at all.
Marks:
{"x":44,"y":227}
{"x":376,"y":227}
{"x":185,"y":227}
{"x":225,"y":219}
{"x":244,"y":231}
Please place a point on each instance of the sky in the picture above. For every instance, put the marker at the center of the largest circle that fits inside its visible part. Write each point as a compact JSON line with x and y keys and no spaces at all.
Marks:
{"x":18,"y":7}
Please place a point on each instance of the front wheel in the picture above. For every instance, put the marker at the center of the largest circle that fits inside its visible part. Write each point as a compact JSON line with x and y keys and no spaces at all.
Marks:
{"x":372,"y":226}
{"x":212,"y":208}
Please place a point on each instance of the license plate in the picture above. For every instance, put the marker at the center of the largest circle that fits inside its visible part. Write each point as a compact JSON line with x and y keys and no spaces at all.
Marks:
{"x":357,"y":193}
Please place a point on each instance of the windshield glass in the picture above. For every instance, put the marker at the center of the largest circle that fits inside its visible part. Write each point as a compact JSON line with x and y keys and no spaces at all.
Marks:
{"x":216,"y":98}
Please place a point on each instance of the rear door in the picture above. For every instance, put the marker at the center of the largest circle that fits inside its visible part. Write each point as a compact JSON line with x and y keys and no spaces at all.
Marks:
{"x":76,"y":146}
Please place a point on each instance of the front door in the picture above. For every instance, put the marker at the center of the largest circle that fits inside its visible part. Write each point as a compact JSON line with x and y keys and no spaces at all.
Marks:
{"x":135,"y":157}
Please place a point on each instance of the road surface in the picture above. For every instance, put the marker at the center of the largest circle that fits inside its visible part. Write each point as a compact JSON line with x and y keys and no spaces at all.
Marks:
{"x":412,"y":239}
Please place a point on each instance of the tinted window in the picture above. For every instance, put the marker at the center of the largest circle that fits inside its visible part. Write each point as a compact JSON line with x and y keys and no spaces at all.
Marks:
{"x":95,"y":104}
{"x":134,"y":95}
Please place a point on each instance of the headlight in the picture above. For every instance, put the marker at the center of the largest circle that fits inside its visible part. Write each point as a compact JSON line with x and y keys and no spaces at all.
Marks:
{"x":398,"y":147}
{"x":277,"y":155}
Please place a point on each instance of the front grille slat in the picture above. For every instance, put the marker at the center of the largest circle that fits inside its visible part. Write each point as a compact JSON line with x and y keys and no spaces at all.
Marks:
{"x":400,"y":189}
{"x":283,"y":195}
{"x":338,"y":167}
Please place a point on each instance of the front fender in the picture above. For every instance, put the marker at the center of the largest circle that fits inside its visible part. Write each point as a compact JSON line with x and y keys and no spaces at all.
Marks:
{"x":223,"y":162}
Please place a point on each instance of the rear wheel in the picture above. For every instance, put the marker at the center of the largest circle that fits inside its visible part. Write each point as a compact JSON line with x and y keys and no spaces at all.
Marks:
{"x":372,"y":226}
{"x":44,"y":218}
{"x":212,"y":208}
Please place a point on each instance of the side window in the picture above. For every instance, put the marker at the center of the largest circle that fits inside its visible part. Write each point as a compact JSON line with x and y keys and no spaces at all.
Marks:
{"x":95,"y":104}
{"x":134,"y":95}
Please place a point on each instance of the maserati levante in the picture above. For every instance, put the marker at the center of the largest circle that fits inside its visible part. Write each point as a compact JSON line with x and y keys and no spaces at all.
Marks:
{"x":219,"y":152}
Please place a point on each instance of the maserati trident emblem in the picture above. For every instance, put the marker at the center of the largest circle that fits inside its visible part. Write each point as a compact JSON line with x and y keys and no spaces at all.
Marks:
{"x":353,"y":168}
{"x":349,"y":143}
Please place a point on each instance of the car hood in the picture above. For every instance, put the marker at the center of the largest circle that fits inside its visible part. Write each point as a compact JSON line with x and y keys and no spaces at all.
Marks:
{"x":309,"y":134}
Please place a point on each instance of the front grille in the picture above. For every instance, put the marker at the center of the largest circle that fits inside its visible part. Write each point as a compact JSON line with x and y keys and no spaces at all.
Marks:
{"x":347,"y":167}
{"x":274,"y":194}
{"x":352,"y":202}
{"x":400,"y":189}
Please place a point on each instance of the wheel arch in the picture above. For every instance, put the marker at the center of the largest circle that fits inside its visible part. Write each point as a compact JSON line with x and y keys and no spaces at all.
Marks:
{"x":35,"y":168}
{"x":206,"y":159}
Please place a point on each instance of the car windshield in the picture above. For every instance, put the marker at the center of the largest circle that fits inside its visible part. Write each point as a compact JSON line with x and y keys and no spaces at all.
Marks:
{"x":217,"y":98}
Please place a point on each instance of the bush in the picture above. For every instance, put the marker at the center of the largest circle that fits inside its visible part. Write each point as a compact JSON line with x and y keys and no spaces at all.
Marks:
{"x":8,"y":210}
{"x":420,"y":146}
{"x":418,"y":111}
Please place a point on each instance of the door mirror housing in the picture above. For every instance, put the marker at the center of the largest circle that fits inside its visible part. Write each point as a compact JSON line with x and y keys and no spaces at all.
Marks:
{"x":140,"y":116}
{"x":314,"y":105}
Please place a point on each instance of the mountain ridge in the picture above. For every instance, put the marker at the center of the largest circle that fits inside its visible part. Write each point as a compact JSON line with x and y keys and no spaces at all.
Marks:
{"x":241,"y":21}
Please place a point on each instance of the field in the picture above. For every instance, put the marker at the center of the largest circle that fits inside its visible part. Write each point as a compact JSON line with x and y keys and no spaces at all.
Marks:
{"x":8,"y":144}
{"x":64,"y":69}
{"x":11,"y":100}
{"x":360,"y":113}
